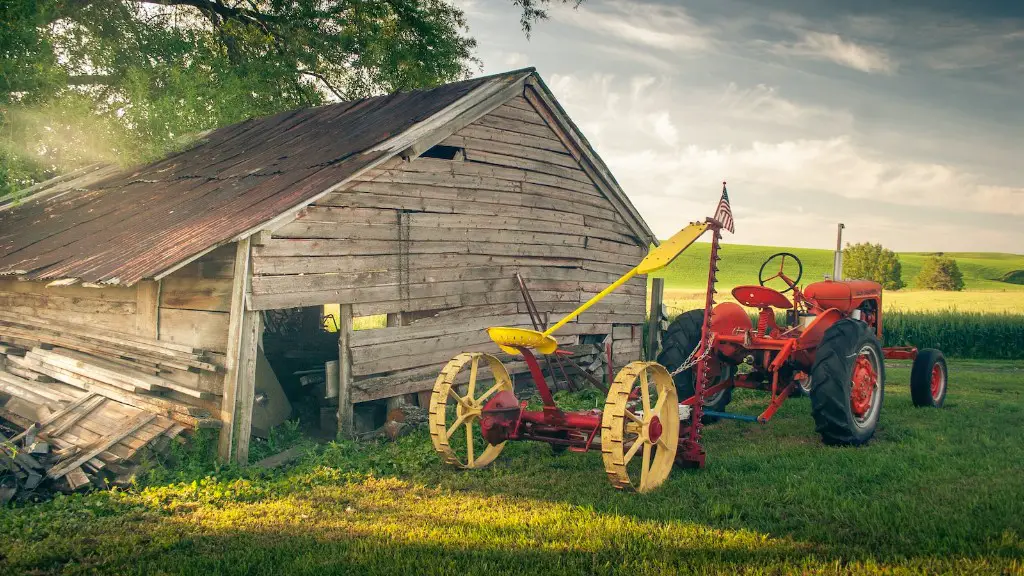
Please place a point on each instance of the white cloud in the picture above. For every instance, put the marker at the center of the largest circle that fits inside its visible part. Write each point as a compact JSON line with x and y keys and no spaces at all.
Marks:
{"x":514,"y":60}
{"x":667,"y":28}
{"x":664,"y":152}
{"x":832,"y":47}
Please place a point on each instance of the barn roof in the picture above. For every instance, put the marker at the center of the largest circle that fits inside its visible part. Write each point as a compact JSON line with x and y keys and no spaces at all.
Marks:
{"x":103,"y":228}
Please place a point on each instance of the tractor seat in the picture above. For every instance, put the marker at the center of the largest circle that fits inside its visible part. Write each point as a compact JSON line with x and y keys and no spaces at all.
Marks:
{"x":760,"y":297}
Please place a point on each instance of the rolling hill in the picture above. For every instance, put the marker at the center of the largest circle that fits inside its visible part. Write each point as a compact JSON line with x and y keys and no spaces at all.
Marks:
{"x":740,"y":263}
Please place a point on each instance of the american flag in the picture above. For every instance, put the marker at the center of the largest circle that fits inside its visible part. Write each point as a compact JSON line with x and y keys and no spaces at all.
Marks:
{"x":724,"y":213}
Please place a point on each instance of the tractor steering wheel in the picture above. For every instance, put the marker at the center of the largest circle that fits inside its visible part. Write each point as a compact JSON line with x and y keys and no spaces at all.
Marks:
{"x":781,"y":273}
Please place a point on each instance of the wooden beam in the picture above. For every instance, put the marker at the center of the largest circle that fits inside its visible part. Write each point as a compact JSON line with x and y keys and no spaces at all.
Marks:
{"x":246,"y":388}
{"x":654,"y":317}
{"x":147,"y":304}
{"x":345,"y":412}
{"x":240,"y":281}
{"x":139,"y":421}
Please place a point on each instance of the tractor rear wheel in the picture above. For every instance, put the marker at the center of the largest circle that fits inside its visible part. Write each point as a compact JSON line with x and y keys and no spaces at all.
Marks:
{"x":928,"y":379}
{"x":678,"y":342}
{"x":847,"y":384}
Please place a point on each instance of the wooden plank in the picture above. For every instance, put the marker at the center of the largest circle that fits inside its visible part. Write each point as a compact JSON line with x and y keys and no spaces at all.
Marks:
{"x":417,"y":276}
{"x":76,"y":305}
{"x":457,"y":300}
{"x":529,"y":116}
{"x":346,"y":417}
{"x":195,"y":328}
{"x":299,"y":264}
{"x":531,"y":166}
{"x":86,"y":409}
{"x":513,"y":169}
{"x":444,"y":200}
{"x":108,"y":294}
{"x":558,"y":158}
{"x":96,"y":371}
{"x":26,"y":374}
{"x":128,"y":375}
{"x":21,"y":388}
{"x":212,"y":295}
{"x":513,"y":188}
{"x":42,"y":424}
{"x":147,"y":304}
{"x":340,"y":215}
{"x":229,"y":401}
{"x":382,"y":336}
{"x":129,"y":427}
{"x":507,"y":125}
{"x":481,"y":132}
{"x":96,"y":333}
{"x":246,"y":388}
{"x":183,"y":413}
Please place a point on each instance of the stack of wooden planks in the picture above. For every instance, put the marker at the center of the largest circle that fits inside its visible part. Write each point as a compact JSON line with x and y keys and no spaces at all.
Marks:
{"x":90,"y":400}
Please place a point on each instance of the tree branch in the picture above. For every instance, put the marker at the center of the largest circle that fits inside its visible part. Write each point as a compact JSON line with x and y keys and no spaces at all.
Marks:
{"x":321,"y":78}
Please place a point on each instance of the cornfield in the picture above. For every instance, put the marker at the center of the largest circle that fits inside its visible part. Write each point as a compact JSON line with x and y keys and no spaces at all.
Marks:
{"x":957,"y":334}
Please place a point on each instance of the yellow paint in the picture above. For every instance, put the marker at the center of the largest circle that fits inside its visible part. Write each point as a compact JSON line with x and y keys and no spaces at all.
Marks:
{"x":656,"y":259}
{"x":670,"y":249}
{"x":624,"y":433}
{"x":507,"y":338}
{"x":467,"y":409}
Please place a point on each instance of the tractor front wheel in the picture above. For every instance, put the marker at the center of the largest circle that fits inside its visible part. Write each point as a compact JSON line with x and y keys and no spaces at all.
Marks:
{"x":847,"y":383}
{"x":682,"y":336}
{"x":928,"y":379}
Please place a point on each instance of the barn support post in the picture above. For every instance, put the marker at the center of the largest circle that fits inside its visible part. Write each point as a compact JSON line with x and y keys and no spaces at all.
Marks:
{"x":229,"y":402}
{"x":147,"y":306}
{"x":246,"y":387}
{"x":345,"y":410}
{"x":654,"y":317}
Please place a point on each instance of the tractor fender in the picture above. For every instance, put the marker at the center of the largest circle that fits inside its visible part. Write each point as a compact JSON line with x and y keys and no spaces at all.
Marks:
{"x":811,"y":336}
{"x":729,"y":318}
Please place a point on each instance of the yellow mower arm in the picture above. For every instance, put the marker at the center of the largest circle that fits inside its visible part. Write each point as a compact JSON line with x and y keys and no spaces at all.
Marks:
{"x":656,"y":259}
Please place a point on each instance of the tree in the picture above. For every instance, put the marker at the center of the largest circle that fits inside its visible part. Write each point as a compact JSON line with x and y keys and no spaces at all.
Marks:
{"x":940,"y":272}
{"x":124,"y":80}
{"x":868,"y":261}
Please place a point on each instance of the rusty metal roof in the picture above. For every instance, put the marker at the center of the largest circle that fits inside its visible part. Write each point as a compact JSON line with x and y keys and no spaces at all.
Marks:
{"x":141,"y":222}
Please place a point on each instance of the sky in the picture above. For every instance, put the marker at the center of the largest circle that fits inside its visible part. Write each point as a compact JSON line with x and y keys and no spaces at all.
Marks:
{"x":904,"y":121}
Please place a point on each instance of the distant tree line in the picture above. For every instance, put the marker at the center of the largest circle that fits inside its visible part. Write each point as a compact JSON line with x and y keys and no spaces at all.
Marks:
{"x":868,"y":261}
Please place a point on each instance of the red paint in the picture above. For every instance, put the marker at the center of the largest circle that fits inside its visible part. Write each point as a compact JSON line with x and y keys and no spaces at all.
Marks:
{"x":654,"y":429}
{"x":862,"y":385}
{"x":937,"y":377}
{"x":899,"y":353}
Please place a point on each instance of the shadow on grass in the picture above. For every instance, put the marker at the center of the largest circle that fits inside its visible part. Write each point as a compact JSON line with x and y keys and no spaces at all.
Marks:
{"x":936,"y":491}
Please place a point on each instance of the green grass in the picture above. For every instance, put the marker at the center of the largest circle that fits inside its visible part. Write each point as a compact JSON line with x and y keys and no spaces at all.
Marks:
{"x":740,"y":263}
{"x":937,"y":491}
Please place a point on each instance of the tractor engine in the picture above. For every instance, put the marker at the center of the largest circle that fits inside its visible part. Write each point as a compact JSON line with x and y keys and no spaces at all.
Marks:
{"x":845,"y":295}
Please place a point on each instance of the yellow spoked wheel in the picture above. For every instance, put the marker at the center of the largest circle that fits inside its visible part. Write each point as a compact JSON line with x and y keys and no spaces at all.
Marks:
{"x":639,"y":436}
{"x":455,"y":418}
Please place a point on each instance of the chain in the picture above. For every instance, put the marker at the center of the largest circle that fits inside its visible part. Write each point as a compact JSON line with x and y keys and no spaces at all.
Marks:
{"x":694,"y":358}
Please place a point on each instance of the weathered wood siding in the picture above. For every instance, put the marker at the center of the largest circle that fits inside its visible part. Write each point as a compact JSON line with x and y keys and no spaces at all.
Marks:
{"x":187,"y":307}
{"x":449,"y":236}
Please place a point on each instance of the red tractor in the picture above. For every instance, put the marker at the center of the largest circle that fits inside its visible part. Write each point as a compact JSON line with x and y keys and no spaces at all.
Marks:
{"x":828,"y":347}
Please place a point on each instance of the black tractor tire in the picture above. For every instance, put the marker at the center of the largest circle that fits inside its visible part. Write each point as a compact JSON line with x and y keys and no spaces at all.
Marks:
{"x":831,"y":384}
{"x":921,"y":379}
{"x":678,"y":342}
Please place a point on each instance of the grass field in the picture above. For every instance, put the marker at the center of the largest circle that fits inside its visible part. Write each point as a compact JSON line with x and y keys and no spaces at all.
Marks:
{"x":937,"y":491}
{"x":984,"y":292}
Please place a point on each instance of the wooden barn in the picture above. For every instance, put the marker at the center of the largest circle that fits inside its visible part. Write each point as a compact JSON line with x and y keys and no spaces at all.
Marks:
{"x":378,"y":237}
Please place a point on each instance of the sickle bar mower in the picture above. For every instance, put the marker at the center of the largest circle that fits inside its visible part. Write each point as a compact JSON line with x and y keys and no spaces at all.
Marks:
{"x":654,"y":412}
